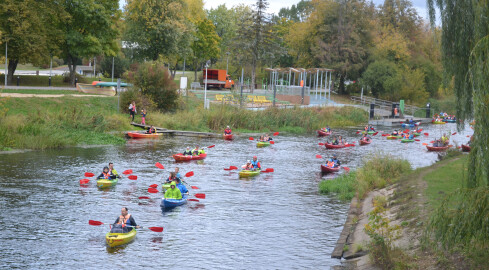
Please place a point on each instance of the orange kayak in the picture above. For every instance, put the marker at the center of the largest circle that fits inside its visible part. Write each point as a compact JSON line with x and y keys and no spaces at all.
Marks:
{"x":137,"y":135}
{"x":228,"y":137}
{"x":181,"y":157}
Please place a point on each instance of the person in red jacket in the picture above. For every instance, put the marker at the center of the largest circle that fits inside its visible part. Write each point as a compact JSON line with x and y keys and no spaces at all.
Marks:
{"x":227,"y":131}
{"x":255,"y":163}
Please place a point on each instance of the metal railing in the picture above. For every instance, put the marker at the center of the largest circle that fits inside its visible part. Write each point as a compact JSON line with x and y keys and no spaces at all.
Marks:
{"x":383,"y":104}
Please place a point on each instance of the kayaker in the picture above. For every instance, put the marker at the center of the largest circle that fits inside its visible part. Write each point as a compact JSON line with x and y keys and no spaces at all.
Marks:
{"x":395,"y":133}
{"x":444,"y":139}
{"x":106,"y":174}
{"x":187,"y":152}
{"x":183,"y":189}
{"x":267,"y":138}
{"x":255,"y":163}
{"x":170,"y":178}
{"x":248,"y":166}
{"x":197,"y":151}
{"x":371,"y":128}
{"x":341,"y":141}
{"x":173,"y":192}
{"x":227,"y":131}
{"x":411,"y":136}
{"x":365,"y":138}
{"x":125,"y":220}
{"x":113,"y":171}
{"x":151,"y":130}
{"x":334,"y":162}
{"x":177,"y":173}
{"x":366,"y":128}
{"x":335,"y":141}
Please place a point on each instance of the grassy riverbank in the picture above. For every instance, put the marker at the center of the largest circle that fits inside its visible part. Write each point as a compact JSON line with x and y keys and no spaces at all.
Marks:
{"x":415,"y":198}
{"x":40,"y":123}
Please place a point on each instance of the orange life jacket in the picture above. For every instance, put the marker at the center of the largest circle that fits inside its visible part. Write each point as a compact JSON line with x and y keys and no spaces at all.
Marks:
{"x":123,"y":220}
{"x":106,"y":175}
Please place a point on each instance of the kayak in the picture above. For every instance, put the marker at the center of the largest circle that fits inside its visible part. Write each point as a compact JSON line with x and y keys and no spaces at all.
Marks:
{"x":362,"y":142}
{"x":105,"y":183}
{"x":332,"y":146}
{"x":172,"y":203}
{"x":248,"y":173}
{"x":393,"y":137}
{"x":407,"y":140}
{"x":416,"y":134}
{"x":262,"y":144}
{"x":137,"y":135}
{"x":450,"y":120}
{"x":117,"y":239}
{"x":181,"y":157}
{"x":433,"y":148}
{"x":228,"y":137}
{"x":438,"y":122}
{"x":322,"y":133}
{"x":465,"y":148}
{"x":368,"y":132}
{"x":326,"y":169}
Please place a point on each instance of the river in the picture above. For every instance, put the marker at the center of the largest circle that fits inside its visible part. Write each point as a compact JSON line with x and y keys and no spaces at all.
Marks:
{"x":274,"y":221}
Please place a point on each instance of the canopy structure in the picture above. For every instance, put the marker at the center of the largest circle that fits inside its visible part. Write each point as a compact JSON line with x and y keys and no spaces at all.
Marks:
{"x":301,"y":81}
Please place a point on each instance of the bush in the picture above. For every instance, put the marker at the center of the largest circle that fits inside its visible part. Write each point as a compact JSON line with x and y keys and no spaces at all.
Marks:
{"x":142,"y":101}
{"x":121,"y":65}
{"x":155,"y":82}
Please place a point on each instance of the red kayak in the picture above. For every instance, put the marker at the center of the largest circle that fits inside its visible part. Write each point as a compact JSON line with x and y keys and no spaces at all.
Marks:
{"x":465,"y":148}
{"x":323,"y":133}
{"x":432,"y":148}
{"x":181,"y":157}
{"x":228,"y":137}
{"x":362,"y":142}
{"x":137,"y":135}
{"x":332,"y":146}
{"x":326,"y":169}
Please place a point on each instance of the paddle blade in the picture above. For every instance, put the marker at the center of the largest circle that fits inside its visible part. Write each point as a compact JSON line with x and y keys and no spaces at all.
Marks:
{"x":269,"y":170}
{"x":384,"y":135}
{"x":95,"y":223}
{"x":193,"y":200}
{"x":346,"y":168}
{"x":152,"y":190}
{"x":89,"y":174}
{"x":468,"y":136}
{"x":272,"y":142}
{"x":227,"y":169}
{"x":321,"y":143}
{"x":358,"y":132}
{"x":194,"y":187}
{"x":275,"y":134}
{"x":144,"y":198}
{"x":154,"y":186}
{"x":432,"y":141}
{"x":406,"y":131}
{"x":251,"y":139}
{"x":319,"y":156}
{"x":127,"y":172}
{"x":417,"y":140}
{"x":233,"y":168}
{"x":375,"y":133}
{"x":156,"y":229}
{"x":425,"y":143}
{"x":159,"y":165}
{"x":454,"y":133}
{"x":426,"y":134}
{"x":84,"y":181}
{"x":200,"y":195}
{"x":133,"y":177}
{"x":211,"y":146}
{"x":420,"y":130}
{"x":189,"y":174}
{"x":401,"y":123}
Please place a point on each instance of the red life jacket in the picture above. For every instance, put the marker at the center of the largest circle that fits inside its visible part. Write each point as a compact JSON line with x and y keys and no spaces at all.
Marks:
{"x":106,"y":175}
{"x":227,"y":131}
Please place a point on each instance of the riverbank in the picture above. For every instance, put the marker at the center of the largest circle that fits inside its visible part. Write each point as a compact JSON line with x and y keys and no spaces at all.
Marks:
{"x":386,"y":229}
{"x":60,"y":121}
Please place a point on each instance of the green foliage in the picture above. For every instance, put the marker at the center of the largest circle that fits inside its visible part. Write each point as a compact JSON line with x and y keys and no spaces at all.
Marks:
{"x":121,"y":65}
{"x":380,"y":76}
{"x":154,"y":81}
{"x":343,"y":185}
{"x":297,"y":13}
{"x":206,"y":43}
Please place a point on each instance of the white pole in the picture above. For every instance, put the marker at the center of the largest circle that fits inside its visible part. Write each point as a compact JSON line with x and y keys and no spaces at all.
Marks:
{"x":316,"y":84}
{"x":205,"y":88}
{"x":321,"y":84}
{"x":183,"y":73}
{"x":94,"y":66}
{"x":112,"y":69}
{"x":329,"y":94}
{"x":6,"y":65}
{"x":361,"y":96}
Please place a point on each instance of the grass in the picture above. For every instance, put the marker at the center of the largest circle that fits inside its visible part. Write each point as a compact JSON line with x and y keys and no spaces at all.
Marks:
{"x":343,"y":185}
{"x":32,"y":80}
{"x":42,"y":92}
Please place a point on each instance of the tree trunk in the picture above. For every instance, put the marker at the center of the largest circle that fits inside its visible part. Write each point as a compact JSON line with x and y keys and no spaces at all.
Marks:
{"x":12,"y":66}
{"x":341,"y":87}
{"x":195,"y":71}
{"x":72,"y":67}
{"x":253,"y":74}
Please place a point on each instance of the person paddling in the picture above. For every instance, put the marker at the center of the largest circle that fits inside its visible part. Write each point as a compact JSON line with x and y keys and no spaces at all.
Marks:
{"x":248,"y":166}
{"x":227,"y":131}
{"x":113,"y":171}
{"x":187,"y":152}
{"x":197,"y":151}
{"x":173,"y":192}
{"x":333,"y":162}
{"x":183,"y":189}
{"x":171,"y":178}
{"x":106,"y":174}
{"x":151,"y":130}
{"x":124,"y":222}
{"x":255,"y":163}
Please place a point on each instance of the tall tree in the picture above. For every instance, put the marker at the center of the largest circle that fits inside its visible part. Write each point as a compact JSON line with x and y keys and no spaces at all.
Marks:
{"x":29,"y":27}
{"x":89,"y":30}
{"x":205,"y":45}
{"x":297,"y":13}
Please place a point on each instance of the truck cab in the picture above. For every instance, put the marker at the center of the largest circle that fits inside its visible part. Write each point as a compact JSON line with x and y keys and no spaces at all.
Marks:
{"x":217,"y":78}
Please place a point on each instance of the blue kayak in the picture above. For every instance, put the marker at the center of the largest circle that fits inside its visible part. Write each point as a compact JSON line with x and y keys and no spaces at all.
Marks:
{"x":172,"y":203}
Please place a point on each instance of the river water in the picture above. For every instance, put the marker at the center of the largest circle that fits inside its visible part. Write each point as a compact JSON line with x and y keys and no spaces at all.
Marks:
{"x":274,"y":221}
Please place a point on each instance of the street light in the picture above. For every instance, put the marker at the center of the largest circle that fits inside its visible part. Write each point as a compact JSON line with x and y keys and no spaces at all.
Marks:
{"x":207,"y":64}
{"x":227,"y":62}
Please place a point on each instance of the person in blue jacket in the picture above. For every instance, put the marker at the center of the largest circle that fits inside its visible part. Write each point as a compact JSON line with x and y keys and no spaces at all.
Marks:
{"x":255,"y":163}
{"x":335,"y":160}
{"x":183,"y":189}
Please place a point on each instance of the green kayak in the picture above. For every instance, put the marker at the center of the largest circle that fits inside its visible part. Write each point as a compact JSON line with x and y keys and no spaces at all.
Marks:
{"x":262,"y":144}
{"x":105,"y":183}
{"x":407,"y":141}
{"x":393,"y":137}
{"x":247,"y":173}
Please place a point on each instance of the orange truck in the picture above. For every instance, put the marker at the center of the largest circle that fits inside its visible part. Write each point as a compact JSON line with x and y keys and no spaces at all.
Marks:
{"x":217,"y":78}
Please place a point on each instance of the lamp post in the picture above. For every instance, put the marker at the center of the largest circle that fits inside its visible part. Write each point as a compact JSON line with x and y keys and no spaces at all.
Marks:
{"x":207,"y":64}
{"x":6,"y":65}
{"x":227,"y":62}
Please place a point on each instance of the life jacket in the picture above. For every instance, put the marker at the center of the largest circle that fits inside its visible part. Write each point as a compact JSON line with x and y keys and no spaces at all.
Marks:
{"x":255,"y":164}
{"x":123,"y":220}
{"x":366,"y":128}
{"x":106,"y":175}
{"x":227,"y":131}
{"x":330,"y":164}
{"x":249,"y":167}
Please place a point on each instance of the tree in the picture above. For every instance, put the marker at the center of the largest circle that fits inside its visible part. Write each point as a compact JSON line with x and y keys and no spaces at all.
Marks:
{"x":205,"y":45}
{"x":121,"y":65}
{"x":156,"y":27}
{"x":225,"y":22}
{"x":89,"y":30}
{"x":29,"y":27}
{"x":297,"y":13}
{"x":380,"y":77}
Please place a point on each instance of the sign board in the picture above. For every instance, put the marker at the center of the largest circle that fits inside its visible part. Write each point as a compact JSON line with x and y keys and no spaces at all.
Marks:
{"x":401,"y":105}
{"x":183,"y":83}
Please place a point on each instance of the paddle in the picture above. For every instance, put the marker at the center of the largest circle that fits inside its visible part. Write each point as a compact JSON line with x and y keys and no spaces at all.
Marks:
{"x":251,"y":139}
{"x":321,"y":143}
{"x":193,"y":200}
{"x":426,"y":134}
{"x":358,"y":132}
{"x":267,"y":170}
{"x":200,"y":195}
{"x":133,"y":177}
{"x":154,"y":186}
{"x":420,"y":130}
{"x":432,"y":142}
{"x":152,"y":190}
{"x":275,"y":134}
{"x":231,"y":168}
{"x":159,"y":165}
{"x":189,"y":174}
{"x":211,"y":146}
{"x":272,"y":142}
{"x":346,"y":168}
{"x":468,"y":136}
{"x":84,"y":181}
{"x":384,"y":135}
{"x":401,"y":123}
{"x":406,"y":131}
{"x":319,"y":156}
{"x":89,"y":174}
{"x":95,"y":223}
{"x":375,"y":133}
{"x":417,"y":140}
{"x":127,"y":172}
{"x":425,"y":143}
{"x":454,"y":133}
{"x":144,"y":198}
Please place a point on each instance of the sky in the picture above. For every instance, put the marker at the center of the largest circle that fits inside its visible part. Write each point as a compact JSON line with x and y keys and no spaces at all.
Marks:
{"x":276,"y":5}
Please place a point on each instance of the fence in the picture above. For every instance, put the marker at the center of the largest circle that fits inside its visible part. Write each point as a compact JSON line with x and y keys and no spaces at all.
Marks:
{"x":385,"y":104}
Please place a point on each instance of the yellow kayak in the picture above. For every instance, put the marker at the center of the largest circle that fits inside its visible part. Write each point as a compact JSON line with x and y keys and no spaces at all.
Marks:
{"x":248,"y":173}
{"x":118,"y":239}
{"x":105,"y":183}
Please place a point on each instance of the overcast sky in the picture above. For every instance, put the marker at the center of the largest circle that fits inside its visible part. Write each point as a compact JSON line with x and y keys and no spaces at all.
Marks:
{"x":276,"y":5}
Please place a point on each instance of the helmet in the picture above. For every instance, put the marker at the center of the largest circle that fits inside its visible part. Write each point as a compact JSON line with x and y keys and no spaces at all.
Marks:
{"x":227,"y":126}
{"x":254,"y":157}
